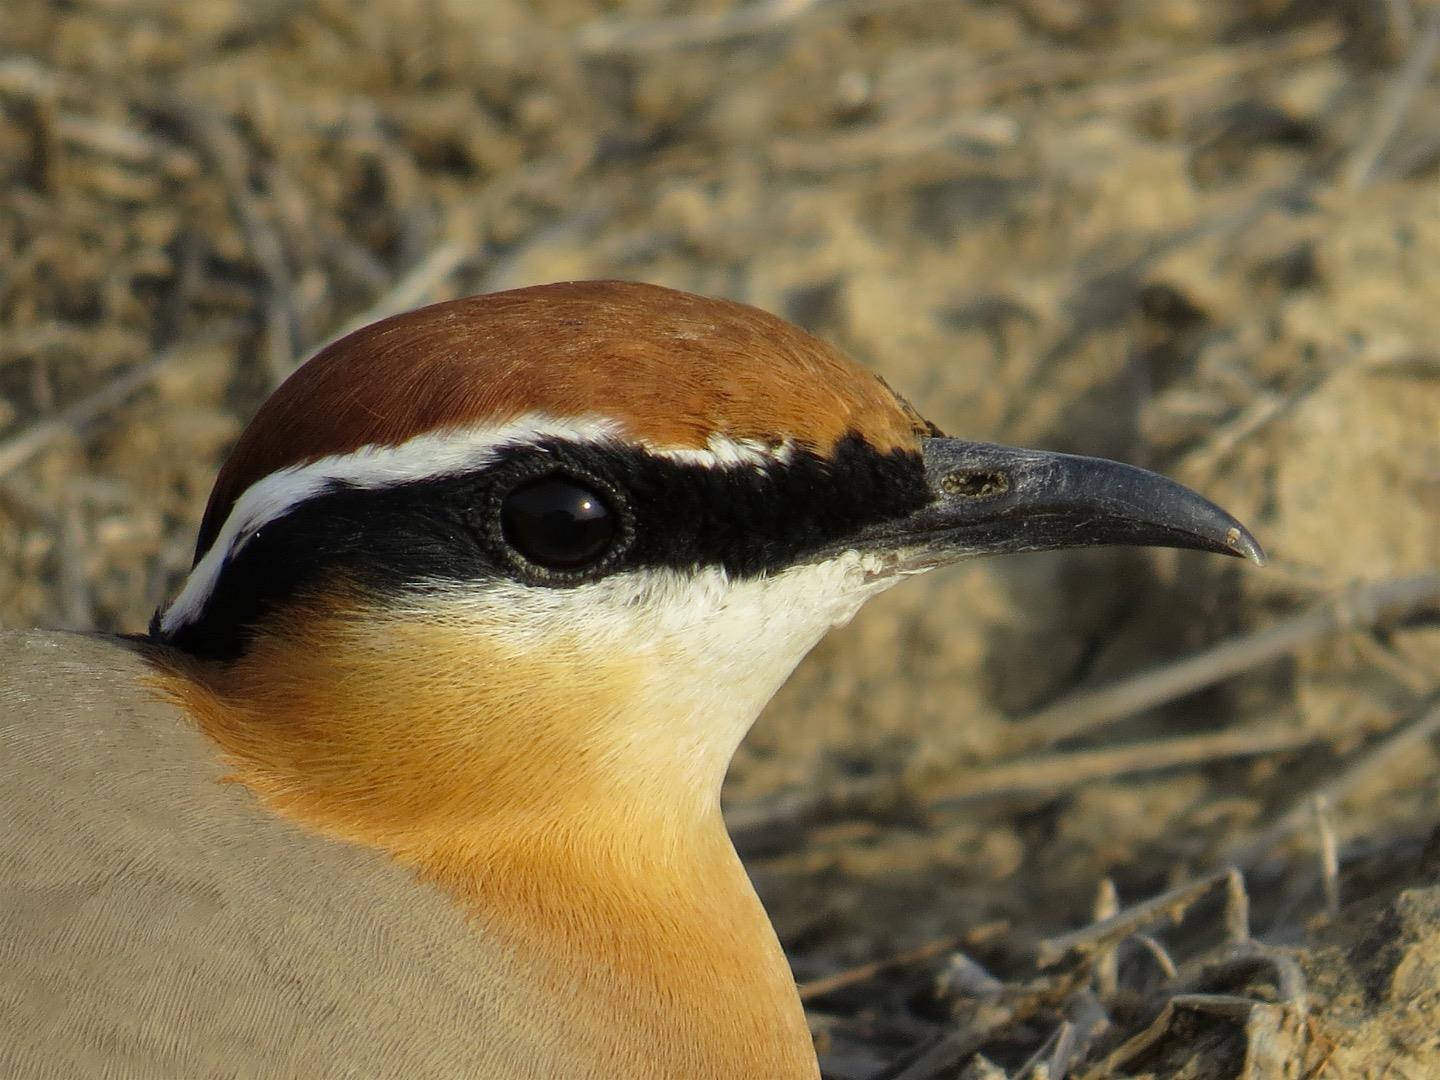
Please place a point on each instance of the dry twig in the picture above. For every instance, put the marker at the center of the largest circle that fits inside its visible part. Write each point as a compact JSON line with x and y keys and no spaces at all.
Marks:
{"x":20,"y":448}
{"x":1108,"y":933}
{"x":1227,"y":1005}
{"x":1329,"y":855}
{"x":1052,"y":774}
{"x":1360,"y":607}
{"x":218,"y":141}
{"x":1364,"y":606}
{"x":864,"y":972}
{"x":611,"y":37}
{"x":415,"y":286}
{"x":1360,"y":768}
{"x":1399,"y":96}
{"x":1216,"y":65}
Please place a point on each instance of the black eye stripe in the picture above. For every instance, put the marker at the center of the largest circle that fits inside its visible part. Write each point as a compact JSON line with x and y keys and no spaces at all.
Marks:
{"x":748,"y":520}
{"x":669,"y":513}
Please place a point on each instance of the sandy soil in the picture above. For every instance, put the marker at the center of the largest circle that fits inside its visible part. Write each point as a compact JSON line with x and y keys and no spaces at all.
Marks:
{"x":1200,"y":236}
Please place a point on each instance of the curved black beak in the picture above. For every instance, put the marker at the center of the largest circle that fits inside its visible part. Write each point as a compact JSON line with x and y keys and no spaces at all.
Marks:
{"x":990,"y":500}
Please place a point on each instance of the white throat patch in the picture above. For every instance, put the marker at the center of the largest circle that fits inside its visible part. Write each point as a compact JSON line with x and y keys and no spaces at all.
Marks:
{"x":714,"y":649}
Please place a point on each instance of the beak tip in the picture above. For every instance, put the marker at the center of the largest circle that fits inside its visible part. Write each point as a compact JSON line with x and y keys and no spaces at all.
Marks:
{"x":1244,"y":545}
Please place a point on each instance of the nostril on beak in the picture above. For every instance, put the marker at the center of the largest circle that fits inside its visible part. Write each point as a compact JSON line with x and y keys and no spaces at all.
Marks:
{"x":974,"y":484}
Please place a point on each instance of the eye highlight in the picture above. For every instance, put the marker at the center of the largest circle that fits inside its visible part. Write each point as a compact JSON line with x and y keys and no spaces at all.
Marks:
{"x":558,"y":523}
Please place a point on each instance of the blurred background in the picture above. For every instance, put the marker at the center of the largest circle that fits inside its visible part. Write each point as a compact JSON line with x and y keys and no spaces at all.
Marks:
{"x":1198,"y":235}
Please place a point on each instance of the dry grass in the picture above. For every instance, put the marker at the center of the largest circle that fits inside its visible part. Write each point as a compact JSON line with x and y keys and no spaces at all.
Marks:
{"x":1200,"y":236}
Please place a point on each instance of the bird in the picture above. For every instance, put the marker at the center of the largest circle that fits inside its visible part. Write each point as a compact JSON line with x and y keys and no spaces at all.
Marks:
{"x":418,"y":774}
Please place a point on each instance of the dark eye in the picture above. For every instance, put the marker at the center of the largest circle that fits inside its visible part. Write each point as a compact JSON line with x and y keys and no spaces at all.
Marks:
{"x":557,"y":523}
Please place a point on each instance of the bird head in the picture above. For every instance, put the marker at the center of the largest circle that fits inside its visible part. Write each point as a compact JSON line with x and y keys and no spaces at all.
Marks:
{"x":564,"y":543}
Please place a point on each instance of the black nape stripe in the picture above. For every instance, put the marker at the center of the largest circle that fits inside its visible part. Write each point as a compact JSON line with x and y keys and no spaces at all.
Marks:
{"x":442,"y":531}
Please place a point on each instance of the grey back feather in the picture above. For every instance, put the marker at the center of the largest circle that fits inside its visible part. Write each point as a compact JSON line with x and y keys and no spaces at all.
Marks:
{"x":156,"y":922}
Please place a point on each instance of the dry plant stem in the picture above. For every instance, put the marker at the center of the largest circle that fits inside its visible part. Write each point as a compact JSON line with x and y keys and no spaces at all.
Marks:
{"x":124,"y":144}
{"x":864,"y":972}
{"x":1090,"y":1021}
{"x":1238,"y":963}
{"x":607,"y":37}
{"x":613,"y":37}
{"x":1383,"y":656}
{"x":1050,"y":774}
{"x":1156,"y":952}
{"x":1334,"y":790}
{"x":1107,"y":966}
{"x":219,"y":143}
{"x":1329,"y":855}
{"x":20,"y":448}
{"x":755,"y":827}
{"x":1205,"y":460}
{"x":417,"y":285}
{"x":1063,"y":1035}
{"x":29,"y":80}
{"x":1236,"y":1008}
{"x":953,"y":1048}
{"x":1218,"y":65}
{"x":1360,"y":607}
{"x":1326,"y":878}
{"x":963,"y":977}
{"x":1397,"y":100}
{"x":1066,"y":1040}
{"x":1242,"y":962}
{"x":1237,"y":908}
{"x":991,"y":83}
{"x":1108,"y":933}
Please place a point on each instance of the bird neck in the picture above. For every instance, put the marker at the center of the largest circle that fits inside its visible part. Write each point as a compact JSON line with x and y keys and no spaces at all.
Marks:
{"x":665,"y":952}
{"x":597,"y":865}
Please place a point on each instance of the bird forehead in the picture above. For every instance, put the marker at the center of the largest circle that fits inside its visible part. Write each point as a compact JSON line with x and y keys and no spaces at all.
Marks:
{"x":668,"y":369}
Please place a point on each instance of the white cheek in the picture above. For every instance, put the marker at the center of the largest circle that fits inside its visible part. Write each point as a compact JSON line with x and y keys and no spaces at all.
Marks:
{"x":714,"y":650}
{"x":725,"y":662}
{"x":740,"y":640}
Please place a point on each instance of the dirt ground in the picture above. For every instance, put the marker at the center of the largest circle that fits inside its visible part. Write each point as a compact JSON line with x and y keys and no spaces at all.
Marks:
{"x":1198,"y":235}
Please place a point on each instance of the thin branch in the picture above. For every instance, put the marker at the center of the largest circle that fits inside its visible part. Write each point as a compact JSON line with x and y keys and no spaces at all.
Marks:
{"x":1397,"y":100}
{"x":865,"y":972}
{"x":1052,"y":774}
{"x":1064,"y":1034}
{"x":952,"y":1048}
{"x":1107,"y":966}
{"x":1361,"y":768}
{"x":611,"y":37}
{"x":1329,"y":855}
{"x":965,"y":120}
{"x":1235,"y":1008}
{"x":1108,"y":933}
{"x":218,"y":141}
{"x":1265,"y":408}
{"x":1217,"y":65}
{"x":1361,"y":607}
{"x":18,"y":449}
{"x":1157,"y":952}
{"x":412,"y":288}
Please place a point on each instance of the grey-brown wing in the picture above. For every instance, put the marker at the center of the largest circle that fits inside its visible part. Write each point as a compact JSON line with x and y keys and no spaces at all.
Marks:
{"x":155,"y":922}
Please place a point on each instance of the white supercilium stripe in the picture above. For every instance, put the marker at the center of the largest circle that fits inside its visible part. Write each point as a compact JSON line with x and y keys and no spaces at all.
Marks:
{"x":444,"y":453}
